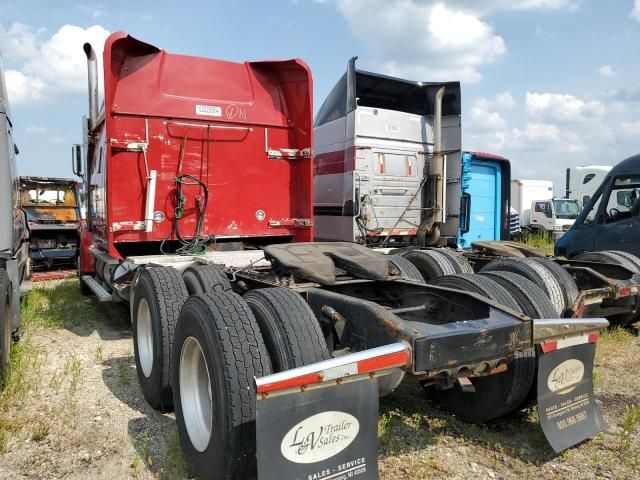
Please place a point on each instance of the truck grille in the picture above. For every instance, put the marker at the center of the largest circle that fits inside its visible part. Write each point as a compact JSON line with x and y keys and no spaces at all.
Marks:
{"x":514,"y":223}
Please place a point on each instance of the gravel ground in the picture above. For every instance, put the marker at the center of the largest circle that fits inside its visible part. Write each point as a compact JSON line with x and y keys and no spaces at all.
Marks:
{"x":74,"y":410}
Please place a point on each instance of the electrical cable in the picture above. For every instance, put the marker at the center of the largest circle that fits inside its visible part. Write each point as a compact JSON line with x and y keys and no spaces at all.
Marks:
{"x":197,"y":245}
{"x":364,"y":200}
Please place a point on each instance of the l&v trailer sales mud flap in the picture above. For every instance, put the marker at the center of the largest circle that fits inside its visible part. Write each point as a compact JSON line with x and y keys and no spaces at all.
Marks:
{"x":327,"y":433}
{"x":566,"y":403}
{"x":320,"y":421}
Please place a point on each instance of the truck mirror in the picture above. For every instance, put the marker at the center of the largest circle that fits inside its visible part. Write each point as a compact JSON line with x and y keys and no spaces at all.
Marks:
{"x":76,"y":154}
{"x":16,"y":150}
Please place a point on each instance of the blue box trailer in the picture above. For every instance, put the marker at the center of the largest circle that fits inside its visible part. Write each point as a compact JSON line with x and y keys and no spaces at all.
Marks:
{"x":485,"y":203}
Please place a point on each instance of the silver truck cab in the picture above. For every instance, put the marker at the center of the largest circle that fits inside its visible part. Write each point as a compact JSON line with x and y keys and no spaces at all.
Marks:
{"x":14,"y":234}
{"x":378,"y":175}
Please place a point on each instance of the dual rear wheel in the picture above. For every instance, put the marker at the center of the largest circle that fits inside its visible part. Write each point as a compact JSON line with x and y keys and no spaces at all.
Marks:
{"x":222,"y":342}
{"x":501,"y":393}
{"x":199,"y":346}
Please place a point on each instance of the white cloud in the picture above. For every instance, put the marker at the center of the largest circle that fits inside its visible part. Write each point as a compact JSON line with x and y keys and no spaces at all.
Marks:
{"x":505,"y":100}
{"x":51,"y":67}
{"x":482,"y":119}
{"x":630,"y":129}
{"x":635,"y":12}
{"x":487,"y":6}
{"x":484,"y":114}
{"x":543,"y":4}
{"x":607,"y":71}
{"x":423,"y":40}
{"x":23,"y":88}
{"x":19,"y":42}
{"x":535,"y":137}
{"x":561,"y":107}
{"x":36,"y":129}
{"x":433,"y":39}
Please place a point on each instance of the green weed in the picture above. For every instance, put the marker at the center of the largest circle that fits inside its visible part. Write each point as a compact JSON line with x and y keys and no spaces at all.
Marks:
{"x":174,"y":465}
{"x":538,"y":240}
{"x":40,"y":432}
{"x":630,"y":421}
{"x":73,"y":369}
{"x":99,"y":354}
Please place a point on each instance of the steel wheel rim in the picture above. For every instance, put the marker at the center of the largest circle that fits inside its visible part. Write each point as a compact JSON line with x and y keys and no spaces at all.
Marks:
{"x":195,"y":394}
{"x":145,"y":338}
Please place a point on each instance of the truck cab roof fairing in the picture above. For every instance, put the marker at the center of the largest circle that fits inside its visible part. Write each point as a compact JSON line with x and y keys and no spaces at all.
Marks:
{"x":375,"y":90}
{"x":276,"y":92}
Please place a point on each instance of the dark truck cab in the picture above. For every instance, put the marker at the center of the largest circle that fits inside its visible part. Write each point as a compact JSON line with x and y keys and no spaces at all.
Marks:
{"x":611,"y":219}
{"x":53,"y":212}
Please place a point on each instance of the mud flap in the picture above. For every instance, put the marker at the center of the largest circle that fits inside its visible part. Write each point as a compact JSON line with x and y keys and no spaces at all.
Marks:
{"x":326,"y":433}
{"x":566,"y":403}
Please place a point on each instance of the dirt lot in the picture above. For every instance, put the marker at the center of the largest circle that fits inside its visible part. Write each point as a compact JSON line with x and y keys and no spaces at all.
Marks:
{"x":72,"y":409}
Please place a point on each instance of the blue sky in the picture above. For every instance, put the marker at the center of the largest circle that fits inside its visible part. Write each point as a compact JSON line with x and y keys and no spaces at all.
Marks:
{"x":547,"y":83}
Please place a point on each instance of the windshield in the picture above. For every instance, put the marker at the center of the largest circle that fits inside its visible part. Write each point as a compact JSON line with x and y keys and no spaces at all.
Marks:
{"x":48,"y":196}
{"x":566,"y":209}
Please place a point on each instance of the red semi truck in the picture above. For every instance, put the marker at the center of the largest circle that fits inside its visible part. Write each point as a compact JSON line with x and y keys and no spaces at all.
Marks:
{"x":198,"y":175}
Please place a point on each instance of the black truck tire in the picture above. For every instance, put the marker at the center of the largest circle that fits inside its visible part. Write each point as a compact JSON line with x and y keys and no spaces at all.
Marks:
{"x":567,"y":283}
{"x":610,"y":256}
{"x":629,"y":256}
{"x":459,"y":261}
{"x":217,"y":353}
{"x":407,"y":269}
{"x":536,"y":273}
{"x":481,"y":285}
{"x":158,"y":297}
{"x":626,"y":260}
{"x":5,"y":324}
{"x":205,"y":278}
{"x":495,"y":395}
{"x":289,"y":327}
{"x":430,"y":263}
{"x":532,"y":300}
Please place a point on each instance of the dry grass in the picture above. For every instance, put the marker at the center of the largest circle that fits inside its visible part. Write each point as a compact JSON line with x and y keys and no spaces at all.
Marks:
{"x":419,"y":441}
{"x":71,"y":404}
{"x":77,"y":353}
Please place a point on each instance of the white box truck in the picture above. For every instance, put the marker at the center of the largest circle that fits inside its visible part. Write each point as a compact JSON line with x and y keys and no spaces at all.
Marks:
{"x":538,"y":210}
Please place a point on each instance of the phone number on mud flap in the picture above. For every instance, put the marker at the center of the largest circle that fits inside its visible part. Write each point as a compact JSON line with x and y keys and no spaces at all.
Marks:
{"x":344,"y":471}
{"x":350,"y":474}
{"x":572,"y":420}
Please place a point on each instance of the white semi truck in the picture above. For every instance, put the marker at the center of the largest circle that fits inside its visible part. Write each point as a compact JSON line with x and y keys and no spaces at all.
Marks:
{"x":583,"y":181}
{"x":539,"y":210}
{"x":14,"y":237}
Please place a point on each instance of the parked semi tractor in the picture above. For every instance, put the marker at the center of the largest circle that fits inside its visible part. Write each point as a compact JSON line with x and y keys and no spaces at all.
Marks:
{"x":198,"y":175}
{"x":53,"y":212}
{"x":14,"y":234}
{"x":539,"y":210}
{"x":374,"y":182}
{"x":583,"y":181}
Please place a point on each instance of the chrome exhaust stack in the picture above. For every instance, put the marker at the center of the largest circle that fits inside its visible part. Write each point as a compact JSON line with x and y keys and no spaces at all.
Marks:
{"x":437,"y":163}
{"x":92,"y":71}
{"x":429,"y":230}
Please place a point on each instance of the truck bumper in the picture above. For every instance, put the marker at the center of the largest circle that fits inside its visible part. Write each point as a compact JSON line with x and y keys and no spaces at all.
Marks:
{"x":444,"y":349}
{"x":453,"y":348}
